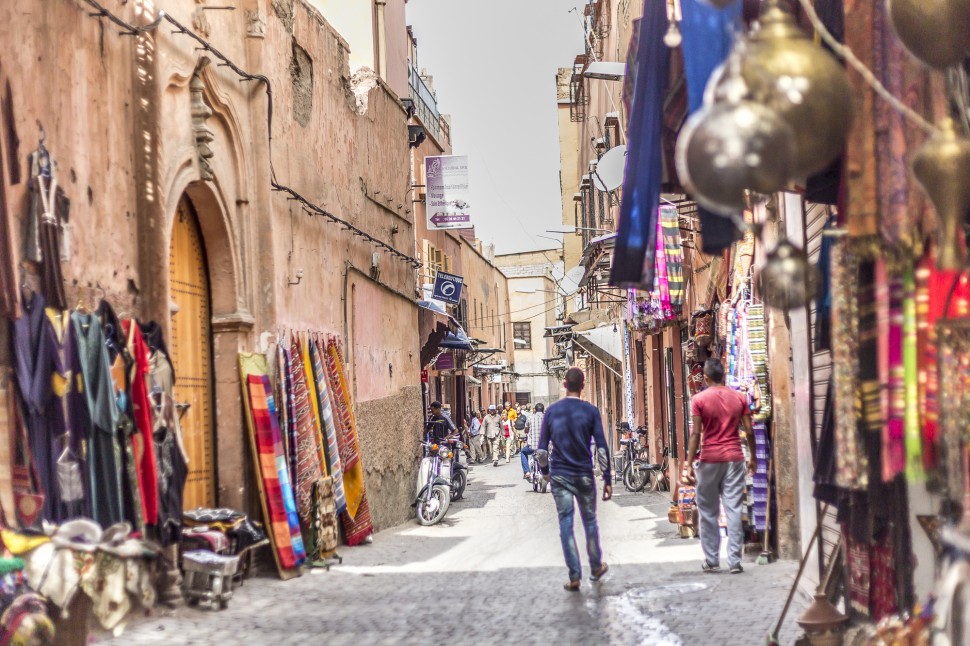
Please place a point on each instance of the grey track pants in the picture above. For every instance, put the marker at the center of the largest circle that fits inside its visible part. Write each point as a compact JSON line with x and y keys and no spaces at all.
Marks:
{"x":721,"y":483}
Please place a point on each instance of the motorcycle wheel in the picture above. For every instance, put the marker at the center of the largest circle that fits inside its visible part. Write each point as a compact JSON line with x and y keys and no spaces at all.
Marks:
{"x":458,"y":482}
{"x":431,"y":507}
{"x":633,"y":478}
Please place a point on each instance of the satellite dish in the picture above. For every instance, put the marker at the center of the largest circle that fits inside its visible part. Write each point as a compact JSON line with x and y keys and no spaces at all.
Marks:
{"x":570,"y":282}
{"x":608,"y":175}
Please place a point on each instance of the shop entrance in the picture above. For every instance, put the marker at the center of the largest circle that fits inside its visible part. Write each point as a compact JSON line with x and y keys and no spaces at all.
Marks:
{"x":191,"y":350}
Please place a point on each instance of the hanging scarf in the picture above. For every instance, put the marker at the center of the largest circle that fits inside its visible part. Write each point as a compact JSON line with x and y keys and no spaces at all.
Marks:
{"x":914,"y":445}
{"x":894,"y":444}
{"x":851,"y":468}
{"x":633,"y":262}
{"x":674,"y":258}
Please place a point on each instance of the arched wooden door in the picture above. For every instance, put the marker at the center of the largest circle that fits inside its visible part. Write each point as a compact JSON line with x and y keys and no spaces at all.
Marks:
{"x":191,"y":349}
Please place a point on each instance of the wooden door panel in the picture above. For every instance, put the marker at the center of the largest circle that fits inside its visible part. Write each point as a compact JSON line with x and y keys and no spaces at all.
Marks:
{"x":192,"y":353}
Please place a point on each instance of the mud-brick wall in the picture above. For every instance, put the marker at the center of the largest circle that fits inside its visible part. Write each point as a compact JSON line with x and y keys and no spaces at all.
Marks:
{"x":390,"y":429}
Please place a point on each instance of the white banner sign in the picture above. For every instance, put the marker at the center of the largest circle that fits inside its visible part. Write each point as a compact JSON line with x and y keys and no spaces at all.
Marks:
{"x":446,"y":192}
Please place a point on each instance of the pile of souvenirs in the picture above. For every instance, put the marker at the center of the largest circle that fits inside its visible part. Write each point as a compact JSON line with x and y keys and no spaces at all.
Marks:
{"x":306,"y":448}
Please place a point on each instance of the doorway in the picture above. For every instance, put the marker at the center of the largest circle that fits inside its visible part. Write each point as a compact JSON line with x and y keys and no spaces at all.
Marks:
{"x":191,"y":348}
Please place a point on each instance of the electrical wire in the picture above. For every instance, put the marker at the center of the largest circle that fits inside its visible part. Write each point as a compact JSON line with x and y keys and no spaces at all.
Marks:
{"x":864,"y":71}
{"x":311,"y":208}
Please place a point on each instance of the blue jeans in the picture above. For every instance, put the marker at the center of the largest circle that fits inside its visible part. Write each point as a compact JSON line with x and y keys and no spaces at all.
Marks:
{"x":526,"y":452}
{"x":583,"y":491}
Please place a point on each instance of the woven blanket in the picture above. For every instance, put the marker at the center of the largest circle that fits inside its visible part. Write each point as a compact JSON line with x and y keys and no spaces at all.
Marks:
{"x":279,"y":504}
{"x":335,"y":471}
{"x":356,"y":520}
{"x":308,"y":468}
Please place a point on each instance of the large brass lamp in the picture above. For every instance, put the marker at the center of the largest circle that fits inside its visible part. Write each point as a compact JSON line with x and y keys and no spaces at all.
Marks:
{"x":942,"y":167}
{"x":804,"y":83}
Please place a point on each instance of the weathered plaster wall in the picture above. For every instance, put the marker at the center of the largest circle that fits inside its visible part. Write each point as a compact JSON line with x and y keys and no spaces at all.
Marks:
{"x":390,"y":429}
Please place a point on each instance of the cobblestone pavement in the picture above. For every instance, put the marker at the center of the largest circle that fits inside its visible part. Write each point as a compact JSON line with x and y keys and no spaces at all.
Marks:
{"x":491,"y":573}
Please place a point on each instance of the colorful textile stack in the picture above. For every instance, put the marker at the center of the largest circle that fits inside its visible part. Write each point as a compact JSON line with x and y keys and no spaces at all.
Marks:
{"x":356,"y":519}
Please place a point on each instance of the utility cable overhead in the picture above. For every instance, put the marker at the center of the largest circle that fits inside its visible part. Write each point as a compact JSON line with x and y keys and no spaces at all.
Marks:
{"x":129,"y":29}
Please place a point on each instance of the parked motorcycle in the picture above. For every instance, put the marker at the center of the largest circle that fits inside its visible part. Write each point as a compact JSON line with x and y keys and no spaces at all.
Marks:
{"x":433,"y":496}
{"x":458,"y":471}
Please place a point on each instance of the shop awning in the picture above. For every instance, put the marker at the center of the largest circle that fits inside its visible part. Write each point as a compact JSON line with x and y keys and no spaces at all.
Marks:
{"x":456,"y":340}
{"x":472,"y":382}
{"x":604,"y":345}
{"x":434,"y":325}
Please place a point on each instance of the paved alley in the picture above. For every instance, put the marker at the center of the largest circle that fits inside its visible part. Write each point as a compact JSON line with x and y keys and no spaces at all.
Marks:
{"x":491,"y":573}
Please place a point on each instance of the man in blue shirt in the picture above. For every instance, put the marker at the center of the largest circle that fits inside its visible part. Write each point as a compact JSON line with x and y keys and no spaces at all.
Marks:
{"x":571,"y":424}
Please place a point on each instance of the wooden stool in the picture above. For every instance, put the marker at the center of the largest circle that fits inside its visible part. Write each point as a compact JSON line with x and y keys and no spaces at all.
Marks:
{"x":208,"y":577}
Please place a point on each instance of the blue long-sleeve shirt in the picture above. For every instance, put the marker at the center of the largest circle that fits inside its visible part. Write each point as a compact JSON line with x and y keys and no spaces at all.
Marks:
{"x":570,"y":424}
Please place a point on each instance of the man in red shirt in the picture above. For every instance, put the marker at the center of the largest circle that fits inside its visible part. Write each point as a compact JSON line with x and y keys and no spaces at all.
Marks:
{"x":717,"y":413}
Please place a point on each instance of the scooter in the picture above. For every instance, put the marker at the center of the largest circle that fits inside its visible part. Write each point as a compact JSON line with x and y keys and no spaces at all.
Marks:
{"x":433,"y":495}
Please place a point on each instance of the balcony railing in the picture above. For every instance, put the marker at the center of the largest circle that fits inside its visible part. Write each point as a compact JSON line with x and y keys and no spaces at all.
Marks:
{"x":425,"y":104}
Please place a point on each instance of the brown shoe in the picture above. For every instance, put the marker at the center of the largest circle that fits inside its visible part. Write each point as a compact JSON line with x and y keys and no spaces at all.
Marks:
{"x":598,"y":574}
{"x":572,"y":586}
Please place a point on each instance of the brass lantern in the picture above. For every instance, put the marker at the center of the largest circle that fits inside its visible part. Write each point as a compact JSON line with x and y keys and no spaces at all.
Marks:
{"x":788,"y":280}
{"x":804,"y":83}
{"x":942,"y":167}
{"x":935,"y":31}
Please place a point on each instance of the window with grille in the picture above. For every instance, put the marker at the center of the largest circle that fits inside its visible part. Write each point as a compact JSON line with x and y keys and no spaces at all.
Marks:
{"x":522,"y":332}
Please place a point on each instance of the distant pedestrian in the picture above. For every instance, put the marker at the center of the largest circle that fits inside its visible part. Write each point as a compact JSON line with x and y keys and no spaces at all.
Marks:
{"x":508,"y":436}
{"x":570,"y":425}
{"x":493,"y":432}
{"x":476,"y":431}
{"x":718,"y":412}
{"x":532,"y":439}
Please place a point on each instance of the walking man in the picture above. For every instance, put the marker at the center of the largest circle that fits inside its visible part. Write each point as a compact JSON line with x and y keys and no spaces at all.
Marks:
{"x":475,"y":437}
{"x":717,"y":413}
{"x":570,"y":424}
{"x":493,"y":432}
{"x":532,"y":440}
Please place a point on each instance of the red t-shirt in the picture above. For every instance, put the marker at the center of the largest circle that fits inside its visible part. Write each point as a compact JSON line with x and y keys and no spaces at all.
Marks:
{"x":720,"y":410}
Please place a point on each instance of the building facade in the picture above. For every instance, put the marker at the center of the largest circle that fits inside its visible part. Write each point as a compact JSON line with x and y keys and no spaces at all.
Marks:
{"x":170,"y":158}
{"x":537,"y":305}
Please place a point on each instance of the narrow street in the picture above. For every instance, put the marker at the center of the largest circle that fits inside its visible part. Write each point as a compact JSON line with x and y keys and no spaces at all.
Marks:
{"x":492,"y":573}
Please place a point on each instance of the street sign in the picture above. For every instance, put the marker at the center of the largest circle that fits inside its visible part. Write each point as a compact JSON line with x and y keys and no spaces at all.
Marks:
{"x":441,"y":220}
{"x":447,"y":287}
{"x":424,"y":376}
{"x":447,"y":192}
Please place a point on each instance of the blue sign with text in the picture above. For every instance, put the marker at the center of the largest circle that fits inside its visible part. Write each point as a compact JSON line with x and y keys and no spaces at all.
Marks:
{"x":447,"y":287}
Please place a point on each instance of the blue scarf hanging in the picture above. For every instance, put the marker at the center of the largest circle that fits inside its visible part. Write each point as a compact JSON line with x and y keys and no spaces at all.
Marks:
{"x":633,"y":257}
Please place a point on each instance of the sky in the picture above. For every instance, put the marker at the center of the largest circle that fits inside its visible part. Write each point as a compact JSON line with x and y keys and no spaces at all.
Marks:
{"x":494,"y":65}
